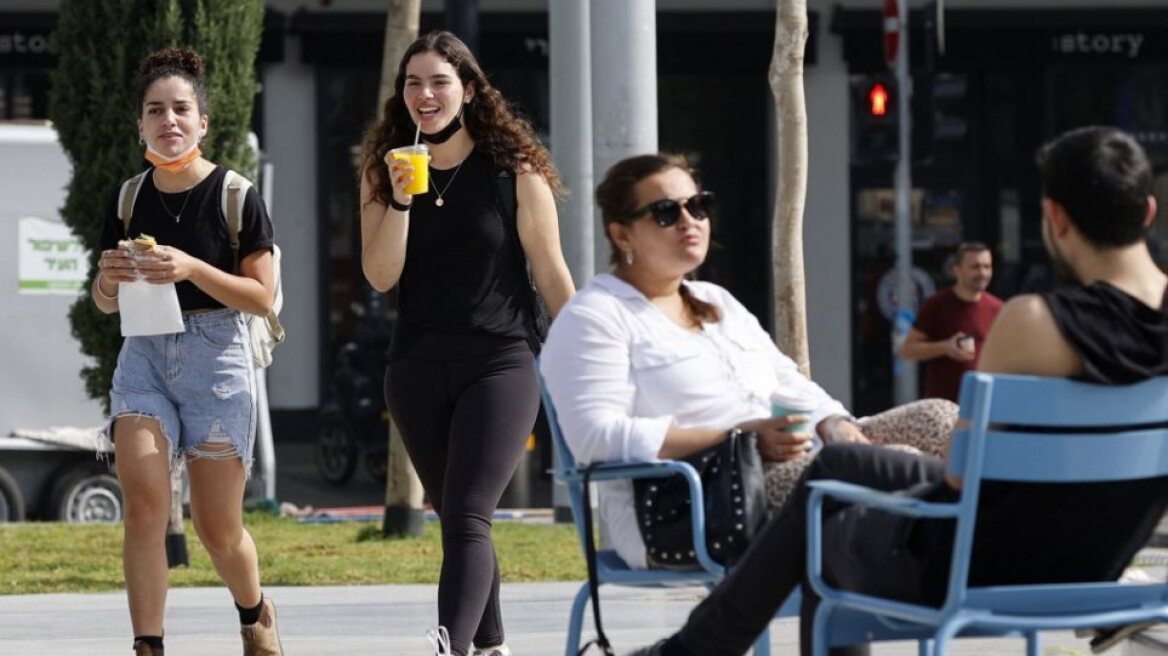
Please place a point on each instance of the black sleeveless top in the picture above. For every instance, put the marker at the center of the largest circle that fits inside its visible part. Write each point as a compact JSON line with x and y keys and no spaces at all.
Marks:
{"x":462,"y":273}
{"x":1035,"y":533}
{"x":1120,"y":339}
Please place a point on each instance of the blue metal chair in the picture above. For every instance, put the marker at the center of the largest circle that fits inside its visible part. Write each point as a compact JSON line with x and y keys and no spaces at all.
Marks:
{"x":1026,"y":429}
{"x":609,"y":566}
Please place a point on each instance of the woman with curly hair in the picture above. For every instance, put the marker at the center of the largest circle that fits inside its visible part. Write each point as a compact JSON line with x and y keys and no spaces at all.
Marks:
{"x":187,"y":398}
{"x":461,"y":381}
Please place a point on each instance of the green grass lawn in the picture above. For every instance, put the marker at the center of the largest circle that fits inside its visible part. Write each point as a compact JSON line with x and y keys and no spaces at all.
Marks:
{"x":55,"y":557}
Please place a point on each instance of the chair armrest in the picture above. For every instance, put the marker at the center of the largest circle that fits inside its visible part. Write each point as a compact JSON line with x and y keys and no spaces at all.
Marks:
{"x":611,"y":471}
{"x":860,"y":495}
{"x":886,"y":501}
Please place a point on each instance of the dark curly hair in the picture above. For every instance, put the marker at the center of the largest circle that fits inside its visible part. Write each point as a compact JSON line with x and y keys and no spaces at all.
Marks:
{"x":174,"y":62}
{"x":492,"y":123}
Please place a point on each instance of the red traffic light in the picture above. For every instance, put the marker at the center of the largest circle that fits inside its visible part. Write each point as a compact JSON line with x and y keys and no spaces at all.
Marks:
{"x":878,"y":98}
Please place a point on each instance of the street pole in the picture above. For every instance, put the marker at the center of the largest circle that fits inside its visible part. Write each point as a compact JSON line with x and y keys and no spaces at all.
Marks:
{"x":624,"y":94}
{"x":624,"y":97}
{"x":570,"y":74}
{"x":904,"y":373}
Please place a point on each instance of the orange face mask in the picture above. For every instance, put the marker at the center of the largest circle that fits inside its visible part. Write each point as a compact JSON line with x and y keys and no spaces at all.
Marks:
{"x":176,"y":164}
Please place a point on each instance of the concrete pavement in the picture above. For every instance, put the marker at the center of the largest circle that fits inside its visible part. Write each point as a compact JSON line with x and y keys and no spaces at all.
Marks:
{"x":354,"y":621}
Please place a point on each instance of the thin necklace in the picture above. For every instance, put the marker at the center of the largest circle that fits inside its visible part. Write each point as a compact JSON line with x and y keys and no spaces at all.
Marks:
{"x":438,"y":201}
{"x":166,"y":208}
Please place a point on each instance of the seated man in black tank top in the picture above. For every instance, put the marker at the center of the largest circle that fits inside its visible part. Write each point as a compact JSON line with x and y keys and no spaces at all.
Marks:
{"x":1108,"y":326}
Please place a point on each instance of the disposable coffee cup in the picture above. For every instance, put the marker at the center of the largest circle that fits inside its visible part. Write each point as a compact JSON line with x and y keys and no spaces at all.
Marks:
{"x":783,"y":405}
{"x":966,"y":344}
{"x":418,"y":156}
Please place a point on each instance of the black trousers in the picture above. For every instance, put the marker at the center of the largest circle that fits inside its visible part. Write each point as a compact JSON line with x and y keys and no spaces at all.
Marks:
{"x":465,"y":406}
{"x":864,"y":551}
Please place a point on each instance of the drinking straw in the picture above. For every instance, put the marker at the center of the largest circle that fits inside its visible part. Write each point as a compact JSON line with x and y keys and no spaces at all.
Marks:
{"x":417,"y":134}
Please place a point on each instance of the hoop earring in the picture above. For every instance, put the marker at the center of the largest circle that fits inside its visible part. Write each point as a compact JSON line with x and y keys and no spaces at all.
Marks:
{"x":141,"y":141}
{"x":629,"y":257}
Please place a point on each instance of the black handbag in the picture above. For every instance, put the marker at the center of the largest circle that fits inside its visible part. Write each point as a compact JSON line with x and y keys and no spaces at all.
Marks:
{"x":734,"y":499}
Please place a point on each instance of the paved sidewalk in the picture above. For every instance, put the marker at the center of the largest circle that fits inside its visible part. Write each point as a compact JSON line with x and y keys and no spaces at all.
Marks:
{"x":384,"y":620}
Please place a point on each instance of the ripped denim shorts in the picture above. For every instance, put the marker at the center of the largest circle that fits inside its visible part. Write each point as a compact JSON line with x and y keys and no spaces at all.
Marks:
{"x":198,"y":384}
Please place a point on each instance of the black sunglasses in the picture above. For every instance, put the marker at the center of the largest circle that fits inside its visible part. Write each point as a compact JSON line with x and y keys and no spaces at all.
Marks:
{"x":667,"y":211}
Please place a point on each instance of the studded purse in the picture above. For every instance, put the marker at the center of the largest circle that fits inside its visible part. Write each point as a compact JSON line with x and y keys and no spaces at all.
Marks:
{"x":734,"y":498}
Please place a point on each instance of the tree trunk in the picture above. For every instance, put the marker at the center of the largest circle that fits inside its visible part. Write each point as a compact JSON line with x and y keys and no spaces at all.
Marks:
{"x":786,"y":81}
{"x":403,"y":490}
{"x":401,"y":29}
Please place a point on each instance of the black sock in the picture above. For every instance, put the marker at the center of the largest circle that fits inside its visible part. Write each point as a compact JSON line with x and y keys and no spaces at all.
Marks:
{"x":249,"y":616}
{"x":153,"y":641}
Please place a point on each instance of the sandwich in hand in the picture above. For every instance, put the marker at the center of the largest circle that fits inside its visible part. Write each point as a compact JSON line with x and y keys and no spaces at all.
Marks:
{"x":139,"y":244}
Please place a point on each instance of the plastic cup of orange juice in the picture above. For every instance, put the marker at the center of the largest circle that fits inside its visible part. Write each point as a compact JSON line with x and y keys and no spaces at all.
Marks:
{"x":418,"y":155}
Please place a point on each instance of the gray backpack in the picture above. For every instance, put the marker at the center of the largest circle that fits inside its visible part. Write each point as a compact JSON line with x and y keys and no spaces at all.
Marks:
{"x":265,"y":331}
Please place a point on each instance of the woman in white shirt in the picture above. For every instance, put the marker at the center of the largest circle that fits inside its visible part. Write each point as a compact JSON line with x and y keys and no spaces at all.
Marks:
{"x":643,"y":364}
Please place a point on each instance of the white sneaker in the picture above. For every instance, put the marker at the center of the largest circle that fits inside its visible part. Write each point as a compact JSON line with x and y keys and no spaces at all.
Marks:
{"x":500,"y":650}
{"x":440,"y":639}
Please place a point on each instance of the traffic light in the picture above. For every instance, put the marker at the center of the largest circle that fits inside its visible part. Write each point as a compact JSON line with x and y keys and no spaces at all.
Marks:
{"x":940,"y":116}
{"x":878,"y":98}
{"x":874,"y":125}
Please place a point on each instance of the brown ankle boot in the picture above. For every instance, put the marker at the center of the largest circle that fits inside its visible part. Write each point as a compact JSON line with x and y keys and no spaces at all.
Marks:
{"x":143,"y":649}
{"x":262,"y":638}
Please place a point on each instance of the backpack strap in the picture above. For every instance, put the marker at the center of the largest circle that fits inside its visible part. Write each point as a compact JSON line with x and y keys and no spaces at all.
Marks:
{"x":127,"y":197}
{"x":235,"y":188}
{"x":601,"y":640}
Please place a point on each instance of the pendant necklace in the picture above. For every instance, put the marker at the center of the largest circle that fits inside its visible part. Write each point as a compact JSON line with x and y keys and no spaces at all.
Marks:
{"x":166,"y":208}
{"x":438,"y":201}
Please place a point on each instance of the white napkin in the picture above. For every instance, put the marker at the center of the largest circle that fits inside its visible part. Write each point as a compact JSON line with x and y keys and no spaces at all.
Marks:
{"x":148,"y":309}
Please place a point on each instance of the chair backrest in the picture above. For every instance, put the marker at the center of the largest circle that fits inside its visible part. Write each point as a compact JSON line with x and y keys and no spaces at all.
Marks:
{"x":1025,"y":428}
{"x":565,"y":471}
{"x":1050,"y":430}
{"x":567,"y":462}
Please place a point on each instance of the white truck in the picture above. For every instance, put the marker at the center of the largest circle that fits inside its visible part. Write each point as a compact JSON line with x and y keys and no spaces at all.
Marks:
{"x":49,"y":448}
{"x":48,"y":425}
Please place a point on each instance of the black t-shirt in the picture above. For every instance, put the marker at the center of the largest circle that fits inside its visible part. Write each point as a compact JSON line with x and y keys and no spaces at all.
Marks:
{"x":200,"y":231}
{"x":462,"y":272}
{"x":1047,"y":533}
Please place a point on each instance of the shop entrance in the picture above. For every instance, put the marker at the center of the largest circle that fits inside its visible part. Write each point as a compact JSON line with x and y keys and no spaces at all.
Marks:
{"x":983,"y":186}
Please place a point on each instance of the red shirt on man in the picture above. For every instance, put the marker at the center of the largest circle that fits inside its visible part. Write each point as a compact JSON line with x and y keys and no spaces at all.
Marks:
{"x":941,"y":316}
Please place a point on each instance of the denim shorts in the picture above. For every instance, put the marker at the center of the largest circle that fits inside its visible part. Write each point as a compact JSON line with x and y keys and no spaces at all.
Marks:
{"x":198,"y":384}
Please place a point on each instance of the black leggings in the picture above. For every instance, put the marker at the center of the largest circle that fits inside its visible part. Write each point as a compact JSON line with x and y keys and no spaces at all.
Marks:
{"x":465,"y":406}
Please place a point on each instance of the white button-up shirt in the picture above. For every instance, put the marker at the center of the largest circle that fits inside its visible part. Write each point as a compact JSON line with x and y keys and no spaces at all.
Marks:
{"x":621,"y":372}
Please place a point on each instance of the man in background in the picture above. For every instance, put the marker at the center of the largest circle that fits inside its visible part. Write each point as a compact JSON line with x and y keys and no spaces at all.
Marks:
{"x":952,"y":324}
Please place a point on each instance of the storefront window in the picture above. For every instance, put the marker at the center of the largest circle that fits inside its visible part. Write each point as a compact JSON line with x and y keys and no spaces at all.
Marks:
{"x":1130,"y":96}
{"x":24,"y":94}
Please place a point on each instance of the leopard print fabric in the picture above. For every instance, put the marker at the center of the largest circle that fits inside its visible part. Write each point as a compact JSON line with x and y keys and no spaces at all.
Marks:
{"x":918,"y":427}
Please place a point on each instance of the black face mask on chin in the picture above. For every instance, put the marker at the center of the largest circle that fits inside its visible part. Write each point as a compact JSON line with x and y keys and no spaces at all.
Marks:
{"x":443,"y":135}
